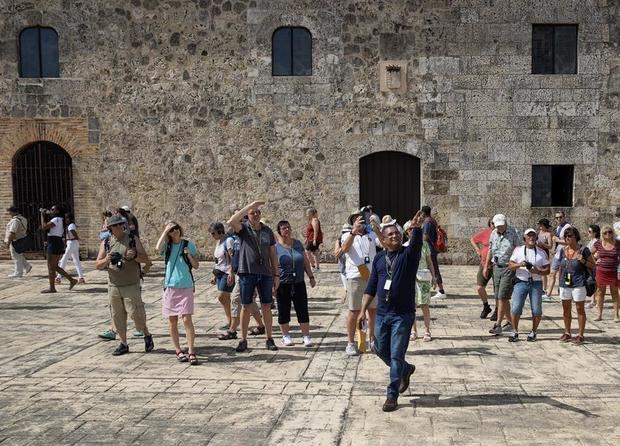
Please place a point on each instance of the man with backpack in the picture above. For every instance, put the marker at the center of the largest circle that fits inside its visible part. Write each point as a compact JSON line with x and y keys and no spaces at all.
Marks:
{"x":121,"y":255}
{"x":435,"y":236}
{"x":16,"y":232}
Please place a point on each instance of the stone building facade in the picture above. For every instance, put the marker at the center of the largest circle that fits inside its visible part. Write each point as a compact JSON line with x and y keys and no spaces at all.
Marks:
{"x":170,"y":106}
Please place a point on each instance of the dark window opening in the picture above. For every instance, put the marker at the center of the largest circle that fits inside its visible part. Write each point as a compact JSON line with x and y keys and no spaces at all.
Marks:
{"x":291,"y":52}
{"x":552,"y":186}
{"x":38,"y":53}
{"x":554,"y":49}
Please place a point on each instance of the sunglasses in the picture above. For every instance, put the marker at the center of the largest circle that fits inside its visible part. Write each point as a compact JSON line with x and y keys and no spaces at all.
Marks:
{"x":531,"y":234}
{"x":608,"y":232}
{"x":558,"y":217}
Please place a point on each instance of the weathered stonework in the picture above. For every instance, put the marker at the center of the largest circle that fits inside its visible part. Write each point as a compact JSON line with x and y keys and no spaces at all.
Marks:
{"x":181,"y":117}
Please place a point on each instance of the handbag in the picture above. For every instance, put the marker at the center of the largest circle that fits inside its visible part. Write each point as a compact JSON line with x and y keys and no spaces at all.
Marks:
{"x":22,"y":245}
{"x":218,"y":273}
{"x":364,"y":272}
{"x":590,"y":283}
{"x":424,"y":275}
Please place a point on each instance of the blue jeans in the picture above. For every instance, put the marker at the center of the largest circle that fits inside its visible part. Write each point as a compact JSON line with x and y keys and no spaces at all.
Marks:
{"x":392,"y":333}
{"x":249,"y":282}
{"x":519,"y":295}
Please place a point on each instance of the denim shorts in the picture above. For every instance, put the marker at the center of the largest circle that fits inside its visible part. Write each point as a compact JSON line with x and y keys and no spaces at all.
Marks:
{"x":249,"y":282}
{"x":222,"y":284}
{"x":519,"y":294}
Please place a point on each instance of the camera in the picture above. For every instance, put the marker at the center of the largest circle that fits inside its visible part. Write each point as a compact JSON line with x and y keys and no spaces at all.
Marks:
{"x":365,"y":214}
{"x":116,"y":259}
{"x":528,"y":265}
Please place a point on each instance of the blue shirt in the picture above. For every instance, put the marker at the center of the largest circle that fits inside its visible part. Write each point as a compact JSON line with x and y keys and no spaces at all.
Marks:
{"x":177,"y":269}
{"x":291,"y":262}
{"x":429,"y":228}
{"x":404,"y":268}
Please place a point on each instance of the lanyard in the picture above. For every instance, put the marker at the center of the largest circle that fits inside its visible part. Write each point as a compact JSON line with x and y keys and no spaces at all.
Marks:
{"x":389,"y":263}
{"x":365,"y":253}
{"x":256,"y":239}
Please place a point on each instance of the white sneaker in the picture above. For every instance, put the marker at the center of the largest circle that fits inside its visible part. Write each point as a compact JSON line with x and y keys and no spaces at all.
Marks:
{"x":351,"y":349}
{"x":14,"y":275}
{"x":287,"y":341}
{"x":307,"y":341}
{"x":439,"y":296}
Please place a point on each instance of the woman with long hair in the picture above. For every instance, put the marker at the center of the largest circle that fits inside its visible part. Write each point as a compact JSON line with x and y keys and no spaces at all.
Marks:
{"x":55,"y":247}
{"x":181,"y":256}
{"x":574,"y":264}
{"x":606,"y":251}
{"x":72,"y":250}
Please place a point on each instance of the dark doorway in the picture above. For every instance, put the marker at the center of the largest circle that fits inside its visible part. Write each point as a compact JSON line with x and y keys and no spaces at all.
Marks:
{"x":42,"y":176}
{"x":390,"y":181}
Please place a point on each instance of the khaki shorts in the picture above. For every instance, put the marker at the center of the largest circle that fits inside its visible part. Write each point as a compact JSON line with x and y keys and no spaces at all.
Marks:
{"x":480,"y":279}
{"x":127,"y":301}
{"x":502,"y":281}
{"x":355,"y":294}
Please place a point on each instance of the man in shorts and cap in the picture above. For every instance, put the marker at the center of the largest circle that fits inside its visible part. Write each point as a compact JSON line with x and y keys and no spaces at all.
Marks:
{"x":359,"y":248}
{"x":16,"y":229}
{"x":504,"y":239}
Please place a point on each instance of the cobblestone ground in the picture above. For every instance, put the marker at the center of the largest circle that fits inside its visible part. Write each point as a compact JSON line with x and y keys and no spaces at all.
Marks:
{"x":59,"y":384}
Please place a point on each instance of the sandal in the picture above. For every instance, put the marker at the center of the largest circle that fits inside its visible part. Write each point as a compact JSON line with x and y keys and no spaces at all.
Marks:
{"x":181,"y":357}
{"x":427,"y":337}
{"x":228,"y":335}
{"x":255,"y":331}
{"x":193,"y":360}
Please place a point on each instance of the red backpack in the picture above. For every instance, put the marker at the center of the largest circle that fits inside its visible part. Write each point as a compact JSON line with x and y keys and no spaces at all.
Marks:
{"x":441,"y":242}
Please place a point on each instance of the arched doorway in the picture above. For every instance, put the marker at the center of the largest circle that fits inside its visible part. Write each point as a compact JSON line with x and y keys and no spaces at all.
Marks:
{"x":390,"y":181}
{"x":42,"y":176}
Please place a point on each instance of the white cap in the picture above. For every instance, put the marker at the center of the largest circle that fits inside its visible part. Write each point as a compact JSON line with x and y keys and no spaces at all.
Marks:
{"x":387,"y":221}
{"x":499,"y":220}
{"x":126,"y":208}
{"x":528,"y":230}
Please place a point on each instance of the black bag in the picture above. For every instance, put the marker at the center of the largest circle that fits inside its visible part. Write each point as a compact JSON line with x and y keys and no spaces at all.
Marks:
{"x":22,"y":245}
{"x":590,"y":283}
{"x":218,"y":273}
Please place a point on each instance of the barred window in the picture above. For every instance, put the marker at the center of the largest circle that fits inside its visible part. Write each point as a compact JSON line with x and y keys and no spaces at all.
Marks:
{"x":554,"y":49}
{"x":38,"y":52}
{"x":552,"y":185}
{"x":291,"y":52}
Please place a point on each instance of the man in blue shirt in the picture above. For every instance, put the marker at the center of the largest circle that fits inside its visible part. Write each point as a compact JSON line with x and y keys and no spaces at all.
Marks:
{"x":392,"y":281}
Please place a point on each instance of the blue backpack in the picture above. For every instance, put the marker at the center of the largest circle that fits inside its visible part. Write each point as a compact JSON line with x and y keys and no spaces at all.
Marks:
{"x":234,"y":261}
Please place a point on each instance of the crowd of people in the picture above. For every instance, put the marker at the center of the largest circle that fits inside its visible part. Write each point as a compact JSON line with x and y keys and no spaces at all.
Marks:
{"x":385,"y":277}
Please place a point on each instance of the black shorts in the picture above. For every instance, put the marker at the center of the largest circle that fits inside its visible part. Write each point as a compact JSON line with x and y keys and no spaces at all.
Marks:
{"x":55,"y":245}
{"x":312,"y":247}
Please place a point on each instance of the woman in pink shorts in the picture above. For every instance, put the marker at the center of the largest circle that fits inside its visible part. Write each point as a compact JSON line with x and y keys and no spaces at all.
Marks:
{"x":181,"y":256}
{"x":606,"y":251}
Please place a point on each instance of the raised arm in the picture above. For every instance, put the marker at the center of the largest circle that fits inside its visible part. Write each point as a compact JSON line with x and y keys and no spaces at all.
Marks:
{"x":163,"y":237}
{"x":235,"y":220}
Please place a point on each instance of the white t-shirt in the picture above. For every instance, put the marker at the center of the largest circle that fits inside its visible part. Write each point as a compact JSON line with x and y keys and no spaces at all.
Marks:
{"x":71,"y":227}
{"x":364,"y":246}
{"x":617,"y":229}
{"x":58,"y":229}
{"x":536,"y":257}
{"x":222,"y":256}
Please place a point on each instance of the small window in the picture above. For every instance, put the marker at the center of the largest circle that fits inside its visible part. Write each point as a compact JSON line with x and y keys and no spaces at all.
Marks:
{"x":291,"y":52}
{"x":554,"y":49}
{"x":552,"y":186}
{"x":38,"y":52}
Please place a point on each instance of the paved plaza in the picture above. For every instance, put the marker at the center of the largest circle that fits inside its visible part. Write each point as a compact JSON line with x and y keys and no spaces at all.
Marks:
{"x":59,"y":383}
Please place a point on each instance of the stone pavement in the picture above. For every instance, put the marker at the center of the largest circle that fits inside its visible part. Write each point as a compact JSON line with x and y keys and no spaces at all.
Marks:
{"x":60,"y":385}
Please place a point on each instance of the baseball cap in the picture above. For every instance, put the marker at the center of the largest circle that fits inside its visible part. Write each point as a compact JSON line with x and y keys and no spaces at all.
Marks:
{"x":115,"y":220}
{"x":499,"y":220}
{"x":528,"y":230}
{"x":126,"y":208}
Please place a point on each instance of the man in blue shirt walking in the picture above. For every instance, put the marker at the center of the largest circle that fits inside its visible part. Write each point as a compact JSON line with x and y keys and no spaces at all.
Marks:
{"x":392,"y":282}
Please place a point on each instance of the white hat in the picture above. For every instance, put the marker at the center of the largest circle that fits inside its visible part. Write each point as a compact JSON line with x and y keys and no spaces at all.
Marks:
{"x":388,"y":221}
{"x":499,"y":220}
{"x":528,"y":230}
{"x":408,"y":224}
{"x":126,"y":208}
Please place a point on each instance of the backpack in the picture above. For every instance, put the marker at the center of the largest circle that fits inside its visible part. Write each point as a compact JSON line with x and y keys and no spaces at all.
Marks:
{"x":441,"y":242}
{"x":184,"y":244}
{"x":234,"y":261}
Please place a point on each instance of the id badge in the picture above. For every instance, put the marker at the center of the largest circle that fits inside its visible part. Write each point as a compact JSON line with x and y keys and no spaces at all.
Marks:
{"x":294,"y":274}
{"x":366,"y":259}
{"x":388,"y":284}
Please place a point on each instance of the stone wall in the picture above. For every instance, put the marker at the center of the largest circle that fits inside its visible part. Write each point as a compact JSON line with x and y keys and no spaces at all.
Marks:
{"x":186,"y":120}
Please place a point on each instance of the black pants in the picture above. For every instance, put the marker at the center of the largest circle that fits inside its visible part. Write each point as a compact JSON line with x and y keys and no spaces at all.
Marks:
{"x":295,"y":293}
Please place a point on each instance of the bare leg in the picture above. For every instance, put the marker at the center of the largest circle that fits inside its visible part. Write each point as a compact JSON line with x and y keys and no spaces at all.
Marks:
{"x":52,"y":262}
{"x":515,"y":322}
{"x":174,"y":332}
{"x":245,"y":320}
{"x":190,"y":334}
{"x":224,"y":299}
{"x":507,"y":311}
{"x":267,"y":318}
{"x":284,"y":328}
{"x":566,"y":313}
{"x":613,"y":290}
{"x":351,"y":321}
{"x":482,"y":292}
{"x":552,"y":278}
{"x":535,"y":322}
{"x":600,"y":301}
{"x":581,"y":317}
{"x":305,"y":328}
{"x":426,"y":311}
